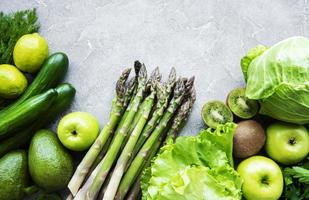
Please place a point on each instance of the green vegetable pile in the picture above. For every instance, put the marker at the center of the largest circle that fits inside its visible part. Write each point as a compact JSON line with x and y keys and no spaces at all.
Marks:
{"x":195,"y":167}
{"x":33,"y":107}
{"x":256,"y":145}
{"x":144,"y":114}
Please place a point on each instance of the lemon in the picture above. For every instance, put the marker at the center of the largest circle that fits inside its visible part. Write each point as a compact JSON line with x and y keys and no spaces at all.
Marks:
{"x":12,"y":82}
{"x":29,"y":53}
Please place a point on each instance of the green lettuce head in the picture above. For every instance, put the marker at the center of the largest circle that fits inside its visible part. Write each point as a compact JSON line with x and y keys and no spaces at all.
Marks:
{"x":279,"y":79}
{"x":195,"y":167}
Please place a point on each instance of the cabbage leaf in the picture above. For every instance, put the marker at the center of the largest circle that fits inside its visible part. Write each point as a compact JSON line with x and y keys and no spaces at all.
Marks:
{"x":195,"y":168}
{"x":279,"y":79}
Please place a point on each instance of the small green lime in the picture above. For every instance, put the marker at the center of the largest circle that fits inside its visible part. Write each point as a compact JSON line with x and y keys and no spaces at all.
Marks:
{"x":12,"y":82}
{"x":29,"y":53}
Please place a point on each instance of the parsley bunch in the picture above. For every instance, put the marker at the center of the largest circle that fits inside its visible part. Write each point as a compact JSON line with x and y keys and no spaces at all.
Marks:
{"x":297,"y":182}
{"x":12,"y":27}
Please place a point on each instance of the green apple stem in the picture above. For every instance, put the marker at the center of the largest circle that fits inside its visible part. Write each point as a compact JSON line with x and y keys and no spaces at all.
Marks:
{"x":137,"y":164}
{"x":117,"y":109}
{"x":120,"y":136}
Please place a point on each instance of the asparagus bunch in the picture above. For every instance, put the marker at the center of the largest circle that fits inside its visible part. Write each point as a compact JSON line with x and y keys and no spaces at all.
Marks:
{"x":177,"y":124}
{"x":117,"y":109}
{"x":152,"y":145}
{"x":144,"y":114}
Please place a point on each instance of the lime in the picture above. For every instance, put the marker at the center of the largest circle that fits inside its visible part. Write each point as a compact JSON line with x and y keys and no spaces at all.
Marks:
{"x":12,"y":82}
{"x":29,"y":53}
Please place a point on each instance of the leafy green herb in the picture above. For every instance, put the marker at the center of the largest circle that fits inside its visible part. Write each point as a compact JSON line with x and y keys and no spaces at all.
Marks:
{"x":296,"y":182}
{"x":12,"y":27}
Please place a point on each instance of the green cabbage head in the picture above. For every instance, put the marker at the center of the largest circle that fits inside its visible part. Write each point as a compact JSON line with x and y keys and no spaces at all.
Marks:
{"x":279,"y":78}
{"x":195,"y":168}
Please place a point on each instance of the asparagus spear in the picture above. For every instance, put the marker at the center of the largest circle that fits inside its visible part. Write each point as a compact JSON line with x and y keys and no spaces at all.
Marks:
{"x":127,"y":151}
{"x":134,"y":192}
{"x":135,"y":167}
{"x":163,"y":94}
{"x":127,"y":97}
{"x":117,"y":109}
{"x":120,"y":135}
{"x":150,"y":86}
{"x":131,"y":91}
{"x":181,"y":117}
{"x":179,"y":120}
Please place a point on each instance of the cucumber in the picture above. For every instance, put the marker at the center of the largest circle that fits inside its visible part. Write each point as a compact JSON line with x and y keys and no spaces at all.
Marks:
{"x":51,"y":73}
{"x":26,"y":113}
{"x":66,"y":93}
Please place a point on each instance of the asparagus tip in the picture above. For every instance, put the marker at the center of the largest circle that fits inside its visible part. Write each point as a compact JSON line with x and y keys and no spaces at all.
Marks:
{"x":172,"y":75}
{"x":137,"y":67}
{"x":120,"y":85}
{"x":179,"y":89}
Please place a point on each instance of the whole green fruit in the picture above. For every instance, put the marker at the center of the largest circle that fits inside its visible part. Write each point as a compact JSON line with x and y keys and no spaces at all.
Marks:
{"x":12,"y":82}
{"x":13,"y":175}
{"x":262,"y":178}
{"x":50,"y":164}
{"x":286,"y":143}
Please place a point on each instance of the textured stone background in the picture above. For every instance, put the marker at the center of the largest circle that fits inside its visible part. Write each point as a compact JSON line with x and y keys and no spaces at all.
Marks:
{"x":201,"y":38}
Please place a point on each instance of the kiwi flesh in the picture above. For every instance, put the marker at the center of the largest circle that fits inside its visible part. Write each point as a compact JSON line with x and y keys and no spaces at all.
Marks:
{"x":215,"y":113}
{"x":240,"y":105}
{"x":249,"y":138}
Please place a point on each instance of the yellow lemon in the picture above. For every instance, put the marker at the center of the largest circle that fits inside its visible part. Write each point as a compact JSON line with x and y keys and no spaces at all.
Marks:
{"x":12,"y":82}
{"x":29,"y":53}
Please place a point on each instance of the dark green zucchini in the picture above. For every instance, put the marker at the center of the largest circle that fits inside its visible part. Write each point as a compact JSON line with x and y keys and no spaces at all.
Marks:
{"x":51,"y":73}
{"x":66,"y":93}
{"x":26,"y":113}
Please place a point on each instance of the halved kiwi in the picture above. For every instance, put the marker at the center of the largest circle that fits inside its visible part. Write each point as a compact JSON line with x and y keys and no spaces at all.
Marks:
{"x":215,"y":113}
{"x":240,"y":105}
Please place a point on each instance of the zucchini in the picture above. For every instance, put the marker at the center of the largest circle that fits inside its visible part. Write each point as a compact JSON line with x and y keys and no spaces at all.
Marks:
{"x":66,"y":93}
{"x":51,"y":73}
{"x":26,"y":113}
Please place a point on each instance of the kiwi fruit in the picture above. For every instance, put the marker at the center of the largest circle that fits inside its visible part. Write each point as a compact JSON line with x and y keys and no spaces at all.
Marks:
{"x":215,"y":113}
{"x":240,"y":105}
{"x":249,"y":138}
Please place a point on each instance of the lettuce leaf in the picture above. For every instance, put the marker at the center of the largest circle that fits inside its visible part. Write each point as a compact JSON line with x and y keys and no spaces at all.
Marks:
{"x":279,"y":79}
{"x":194,"y":167}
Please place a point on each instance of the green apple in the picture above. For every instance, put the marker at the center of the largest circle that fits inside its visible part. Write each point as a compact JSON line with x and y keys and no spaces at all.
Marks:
{"x":287,"y":143}
{"x":78,"y":130}
{"x":262,"y":178}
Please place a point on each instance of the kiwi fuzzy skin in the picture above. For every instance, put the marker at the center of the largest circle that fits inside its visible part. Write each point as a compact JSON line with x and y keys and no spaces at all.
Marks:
{"x":249,"y":139}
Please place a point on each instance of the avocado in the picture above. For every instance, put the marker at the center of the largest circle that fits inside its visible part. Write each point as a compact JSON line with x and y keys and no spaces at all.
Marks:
{"x":13,"y":175}
{"x":50,"y":164}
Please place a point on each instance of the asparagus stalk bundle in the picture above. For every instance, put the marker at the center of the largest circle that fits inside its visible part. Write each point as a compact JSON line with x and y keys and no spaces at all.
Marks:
{"x":136,"y":166}
{"x":177,"y":124}
{"x":163,"y":94}
{"x":125,"y":155}
{"x":117,"y":109}
{"x":144,"y":114}
{"x":120,"y":136}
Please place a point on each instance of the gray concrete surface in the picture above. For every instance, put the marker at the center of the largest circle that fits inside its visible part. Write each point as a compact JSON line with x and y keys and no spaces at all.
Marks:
{"x":204,"y":38}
